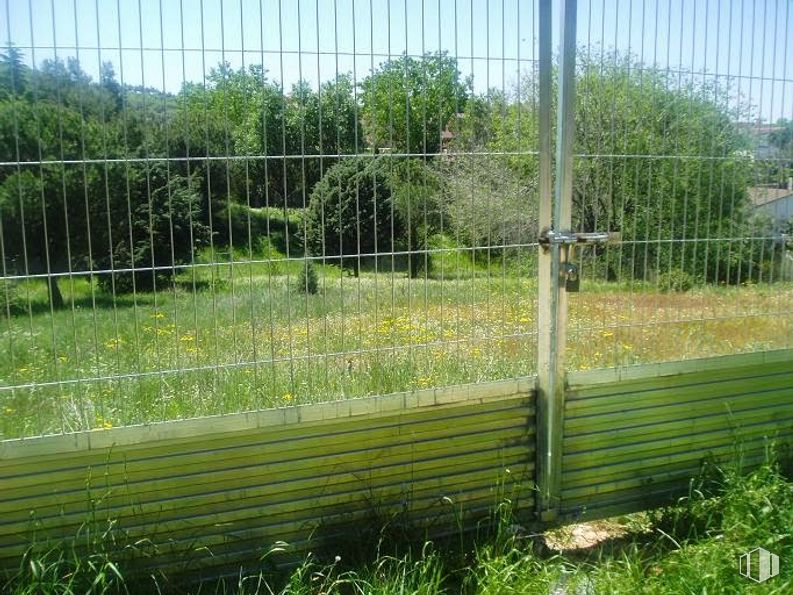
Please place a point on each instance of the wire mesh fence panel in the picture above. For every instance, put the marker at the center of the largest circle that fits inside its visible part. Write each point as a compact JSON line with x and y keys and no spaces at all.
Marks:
{"x":238,"y":204}
{"x":222,"y":206}
{"x":683,"y":127}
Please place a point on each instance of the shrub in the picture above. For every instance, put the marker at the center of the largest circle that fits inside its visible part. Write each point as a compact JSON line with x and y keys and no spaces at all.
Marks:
{"x":308,"y":280}
{"x":352,"y":212}
{"x":245,"y":227}
{"x":373,"y":205}
{"x":675,"y":280}
{"x":486,"y":202}
{"x":11,"y":302}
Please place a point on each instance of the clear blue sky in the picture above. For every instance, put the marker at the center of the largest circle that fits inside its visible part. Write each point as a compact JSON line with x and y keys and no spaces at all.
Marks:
{"x":161,"y":43}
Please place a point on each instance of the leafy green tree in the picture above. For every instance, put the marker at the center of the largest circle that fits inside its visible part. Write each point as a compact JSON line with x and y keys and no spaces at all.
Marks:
{"x":374,"y":205}
{"x":783,"y":137}
{"x":659,"y":159}
{"x":158,"y":228}
{"x":242,"y":113}
{"x":352,"y":212}
{"x":42,"y":208}
{"x":640,"y":117}
{"x":13,"y":72}
{"x":59,"y":213}
{"x":320,"y":123}
{"x":408,"y":102}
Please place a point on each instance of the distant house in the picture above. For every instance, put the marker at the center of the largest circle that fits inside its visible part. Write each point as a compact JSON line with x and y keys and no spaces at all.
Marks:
{"x":777,"y":203}
{"x":447,"y":136}
{"x":760,"y":134}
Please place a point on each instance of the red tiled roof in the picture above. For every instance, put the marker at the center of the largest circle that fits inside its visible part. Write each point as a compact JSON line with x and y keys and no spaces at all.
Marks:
{"x":762,"y":196}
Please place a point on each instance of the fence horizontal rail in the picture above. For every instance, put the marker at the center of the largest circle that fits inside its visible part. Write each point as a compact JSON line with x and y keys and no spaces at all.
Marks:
{"x":274,"y":52}
{"x":364,"y":155}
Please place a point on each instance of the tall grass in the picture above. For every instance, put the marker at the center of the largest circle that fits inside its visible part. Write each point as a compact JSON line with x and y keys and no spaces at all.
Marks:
{"x":692,"y":547}
{"x":239,"y":335}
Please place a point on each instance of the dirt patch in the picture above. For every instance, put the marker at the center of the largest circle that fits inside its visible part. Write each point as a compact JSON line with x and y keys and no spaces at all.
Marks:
{"x":585,"y":537}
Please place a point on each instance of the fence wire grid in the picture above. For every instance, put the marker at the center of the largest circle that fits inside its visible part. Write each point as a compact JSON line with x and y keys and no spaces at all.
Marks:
{"x":221,"y":206}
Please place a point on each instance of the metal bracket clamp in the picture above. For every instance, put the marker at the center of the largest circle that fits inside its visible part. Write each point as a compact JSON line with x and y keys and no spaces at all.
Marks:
{"x":566,"y":242}
{"x":549,"y":237}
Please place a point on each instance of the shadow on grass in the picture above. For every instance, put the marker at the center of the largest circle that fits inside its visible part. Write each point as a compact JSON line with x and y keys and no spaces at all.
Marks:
{"x":99,"y":300}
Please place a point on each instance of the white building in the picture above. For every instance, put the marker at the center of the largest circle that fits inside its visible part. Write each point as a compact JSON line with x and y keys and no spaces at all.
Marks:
{"x":777,"y":203}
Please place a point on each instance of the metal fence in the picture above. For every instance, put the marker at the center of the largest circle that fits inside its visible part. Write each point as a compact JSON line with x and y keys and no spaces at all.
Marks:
{"x":379,"y":259}
{"x":709,"y":87}
{"x":245,"y":204}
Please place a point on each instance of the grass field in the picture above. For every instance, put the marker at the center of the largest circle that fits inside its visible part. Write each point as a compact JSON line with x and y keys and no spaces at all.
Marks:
{"x":238,"y":336}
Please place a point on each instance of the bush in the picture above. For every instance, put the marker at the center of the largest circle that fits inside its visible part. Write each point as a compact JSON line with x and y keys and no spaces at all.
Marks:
{"x":308,"y":280}
{"x":11,"y":302}
{"x":232,"y":223}
{"x":487,"y":203}
{"x":352,"y":212}
{"x":373,"y":205}
{"x":675,"y":280}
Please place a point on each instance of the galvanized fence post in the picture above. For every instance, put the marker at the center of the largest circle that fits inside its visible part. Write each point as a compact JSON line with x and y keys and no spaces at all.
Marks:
{"x":555,"y":214}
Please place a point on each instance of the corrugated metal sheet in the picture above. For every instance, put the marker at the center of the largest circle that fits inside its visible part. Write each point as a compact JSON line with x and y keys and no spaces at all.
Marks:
{"x":634,"y":438}
{"x":217,"y":492}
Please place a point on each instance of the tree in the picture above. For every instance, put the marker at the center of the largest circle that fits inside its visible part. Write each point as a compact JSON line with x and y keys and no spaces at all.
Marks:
{"x":41,"y":208}
{"x":659,"y":159}
{"x":638,"y":117}
{"x":408,"y":102}
{"x":352,"y":212}
{"x":62,"y":214}
{"x":416,"y":189}
{"x":323,"y":122}
{"x":374,"y":206}
{"x":486,"y":202}
{"x":13,"y":72}
{"x":242,"y":113}
{"x":108,"y":82}
{"x":159,"y":227}
{"x":782,"y":138}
